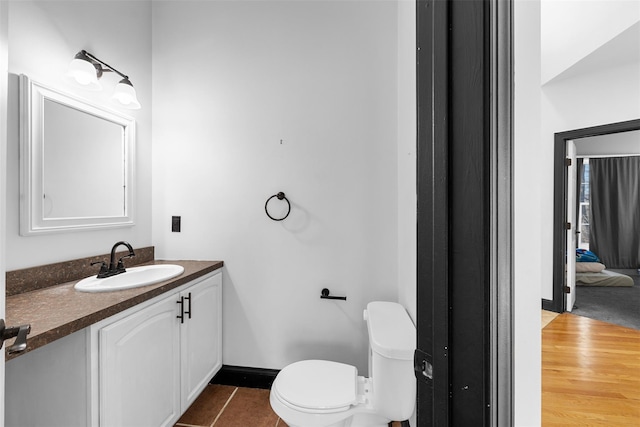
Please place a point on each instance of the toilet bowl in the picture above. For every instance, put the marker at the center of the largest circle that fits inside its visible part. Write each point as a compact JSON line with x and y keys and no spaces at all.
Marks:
{"x":322,"y":393}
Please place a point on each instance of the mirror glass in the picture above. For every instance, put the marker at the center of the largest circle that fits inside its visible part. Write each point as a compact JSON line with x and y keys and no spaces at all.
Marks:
{"x":76,"y":163}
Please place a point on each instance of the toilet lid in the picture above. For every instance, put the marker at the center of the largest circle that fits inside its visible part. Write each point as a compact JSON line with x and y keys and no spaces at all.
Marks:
{"x":318,"y":384}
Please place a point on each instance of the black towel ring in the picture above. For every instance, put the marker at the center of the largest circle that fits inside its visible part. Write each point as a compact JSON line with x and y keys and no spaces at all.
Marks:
{"x":280,"y":196}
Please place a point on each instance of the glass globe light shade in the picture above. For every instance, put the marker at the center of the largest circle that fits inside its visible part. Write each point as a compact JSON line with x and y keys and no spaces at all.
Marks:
{"x":125,"y":94}
{"x":84,"y":72}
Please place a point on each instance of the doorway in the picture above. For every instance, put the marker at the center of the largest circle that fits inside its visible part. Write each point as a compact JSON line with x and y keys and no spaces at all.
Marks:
{"x":560,"y":255}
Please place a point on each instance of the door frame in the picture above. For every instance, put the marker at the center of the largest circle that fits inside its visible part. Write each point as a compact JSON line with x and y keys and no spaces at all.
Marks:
{"x":464,"y":218}
{"x":571,"y":218}
{"x":558,"y":303}
{"x":4,"y":67}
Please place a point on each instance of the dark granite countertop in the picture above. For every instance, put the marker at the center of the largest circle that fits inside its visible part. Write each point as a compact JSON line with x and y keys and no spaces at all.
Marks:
{"x":57,"y":311}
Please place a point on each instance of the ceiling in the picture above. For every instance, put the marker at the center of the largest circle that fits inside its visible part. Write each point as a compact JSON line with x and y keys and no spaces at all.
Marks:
{"x":623,"y":143}
{"x":583,"y":36}
{"x":621,"y":50}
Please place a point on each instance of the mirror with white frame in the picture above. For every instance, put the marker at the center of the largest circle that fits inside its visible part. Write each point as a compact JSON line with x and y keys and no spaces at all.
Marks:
{"x":76,"y":163}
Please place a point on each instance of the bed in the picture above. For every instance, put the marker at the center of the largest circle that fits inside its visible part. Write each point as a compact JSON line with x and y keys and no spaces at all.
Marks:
{"x":595,"y":274}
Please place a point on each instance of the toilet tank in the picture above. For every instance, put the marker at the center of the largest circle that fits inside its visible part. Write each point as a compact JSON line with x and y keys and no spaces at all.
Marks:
{"x":392,"y":341}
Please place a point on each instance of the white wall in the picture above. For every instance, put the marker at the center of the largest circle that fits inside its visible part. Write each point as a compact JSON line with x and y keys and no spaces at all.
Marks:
{"x":407,"y":179}
{"x":252,"y":98}
{"x":43,"y":38}
{"x":407,"y":128}
{"x":528,"y":211}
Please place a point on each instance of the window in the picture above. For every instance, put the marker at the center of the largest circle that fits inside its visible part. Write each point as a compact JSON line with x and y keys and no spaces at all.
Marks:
{"x":584,"y":206}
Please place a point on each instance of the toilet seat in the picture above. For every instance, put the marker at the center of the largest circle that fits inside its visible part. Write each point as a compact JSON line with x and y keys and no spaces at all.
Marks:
{"x":317,"y":386}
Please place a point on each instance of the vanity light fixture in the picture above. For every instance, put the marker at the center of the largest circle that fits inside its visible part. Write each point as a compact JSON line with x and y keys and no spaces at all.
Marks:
{"x":86,"y":69}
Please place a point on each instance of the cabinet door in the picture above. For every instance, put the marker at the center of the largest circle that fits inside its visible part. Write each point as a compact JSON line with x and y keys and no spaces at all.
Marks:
{"x":201,"y":337}
{"x":139,"y":368}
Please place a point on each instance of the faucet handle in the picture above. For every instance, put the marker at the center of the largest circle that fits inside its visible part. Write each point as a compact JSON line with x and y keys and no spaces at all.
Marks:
{"x":120,"y":266}
{"x":104,"y":269}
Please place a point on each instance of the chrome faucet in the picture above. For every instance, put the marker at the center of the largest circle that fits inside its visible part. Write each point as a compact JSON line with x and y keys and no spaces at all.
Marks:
{"x":114,"y":268}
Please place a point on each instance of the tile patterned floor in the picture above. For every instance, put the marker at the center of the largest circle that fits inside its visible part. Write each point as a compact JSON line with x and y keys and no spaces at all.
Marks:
{"x":229,"y":406}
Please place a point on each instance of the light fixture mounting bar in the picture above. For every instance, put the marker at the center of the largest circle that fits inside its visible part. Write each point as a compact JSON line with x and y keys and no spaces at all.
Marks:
{"x":109,"y":67}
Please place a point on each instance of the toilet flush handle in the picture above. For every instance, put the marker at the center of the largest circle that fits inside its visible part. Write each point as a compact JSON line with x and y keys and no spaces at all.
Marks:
{"x":365,"y":315}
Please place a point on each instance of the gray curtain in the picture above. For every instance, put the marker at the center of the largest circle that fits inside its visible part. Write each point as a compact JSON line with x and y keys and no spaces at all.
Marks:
{"x":615,"y":211}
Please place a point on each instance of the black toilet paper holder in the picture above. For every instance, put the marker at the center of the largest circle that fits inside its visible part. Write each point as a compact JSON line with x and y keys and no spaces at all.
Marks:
{"x":325,"y":295}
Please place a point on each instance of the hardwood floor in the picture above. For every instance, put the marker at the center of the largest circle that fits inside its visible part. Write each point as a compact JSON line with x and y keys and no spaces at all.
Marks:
{"x":590,"y":373}
{"x":547,"y":317}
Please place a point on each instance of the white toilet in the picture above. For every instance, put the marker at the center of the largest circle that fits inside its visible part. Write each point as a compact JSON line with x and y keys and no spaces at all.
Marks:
{"x":320,"y":393}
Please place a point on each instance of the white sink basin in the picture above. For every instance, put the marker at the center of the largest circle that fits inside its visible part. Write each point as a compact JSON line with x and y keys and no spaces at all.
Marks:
{"x":134,"y":277}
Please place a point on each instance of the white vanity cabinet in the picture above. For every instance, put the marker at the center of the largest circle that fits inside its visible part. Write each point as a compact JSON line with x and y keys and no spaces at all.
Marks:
{"x":200,"y":338}
{"x":153,"y":363}
{"x":139,"y":368}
